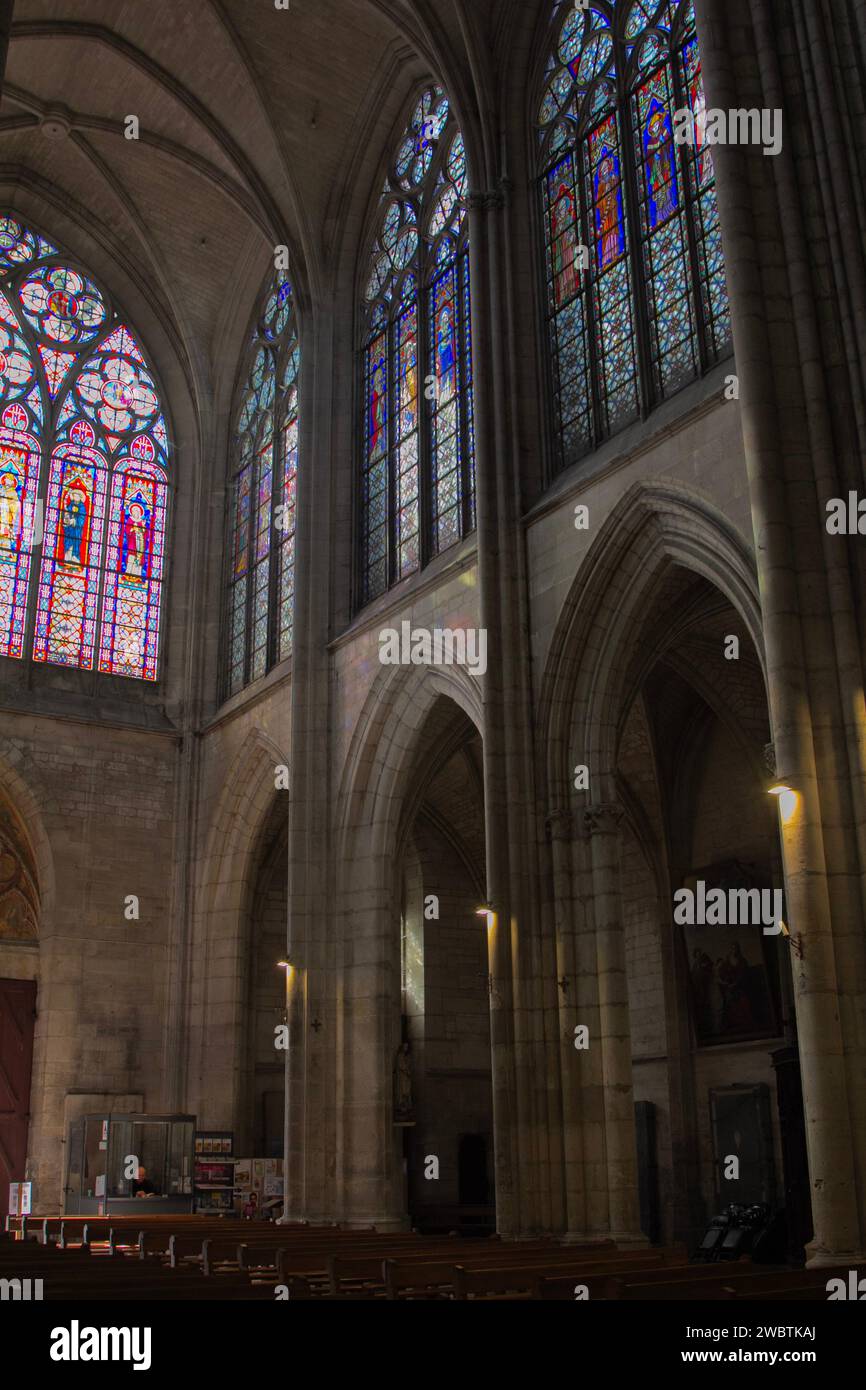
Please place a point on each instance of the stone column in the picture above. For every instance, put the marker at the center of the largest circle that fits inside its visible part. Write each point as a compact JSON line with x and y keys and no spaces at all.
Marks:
{"x":602,"y":824}
{"x":520,"y":1051}
{"x":571,"y":985}
{"x":502,"y":1068}
{"x":488,"y":387}
{"x":793,"y":242}
{"x":294,"y":1162}
{"x":311,"y":923}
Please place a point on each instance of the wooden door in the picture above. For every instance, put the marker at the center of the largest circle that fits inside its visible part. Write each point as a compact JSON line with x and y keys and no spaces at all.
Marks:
{"x":17,"y":1016}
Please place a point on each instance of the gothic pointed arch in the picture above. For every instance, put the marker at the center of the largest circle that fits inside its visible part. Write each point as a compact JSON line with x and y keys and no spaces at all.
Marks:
{"x":376,"y":778}
{"x":263,"y":475}
{"x":19,"y":889}
{"x":242,"y":809}
{"x":417,"y":474}
{"x":23,"y":801}
{"x":654,"y":528}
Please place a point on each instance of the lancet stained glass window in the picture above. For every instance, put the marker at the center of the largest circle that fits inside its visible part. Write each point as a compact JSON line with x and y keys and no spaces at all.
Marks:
{"x":417,"y":489}
{"x":261,"y":585}
{"x":636,"y":301}
{"x":84,"y":460}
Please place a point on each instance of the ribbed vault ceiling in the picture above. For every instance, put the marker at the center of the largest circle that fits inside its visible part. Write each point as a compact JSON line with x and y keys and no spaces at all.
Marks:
{"x":249,"y":118}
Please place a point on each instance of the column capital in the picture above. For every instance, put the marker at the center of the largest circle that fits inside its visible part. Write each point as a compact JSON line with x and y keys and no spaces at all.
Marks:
{"x":559,"y":825}
{"x":603,"y":819}
{"x":481,"y":200}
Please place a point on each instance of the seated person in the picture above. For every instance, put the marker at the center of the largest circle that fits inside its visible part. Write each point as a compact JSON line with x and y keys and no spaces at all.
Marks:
{"x":141,"y":1186}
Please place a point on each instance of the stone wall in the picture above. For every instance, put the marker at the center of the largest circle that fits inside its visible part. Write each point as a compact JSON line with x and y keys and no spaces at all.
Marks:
{"x":100,"y":803}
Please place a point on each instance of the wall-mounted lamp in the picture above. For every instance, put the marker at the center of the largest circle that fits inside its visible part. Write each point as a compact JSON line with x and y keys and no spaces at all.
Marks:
{"x":787,"y":800}
{"x":486,"y":910}
{"x":795,"y":942}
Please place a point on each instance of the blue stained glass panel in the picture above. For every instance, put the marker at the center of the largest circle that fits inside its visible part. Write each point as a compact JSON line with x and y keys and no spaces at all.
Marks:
{"x":417,"y":405}
{"x":614,"y":180}
{"x":265,"y":478}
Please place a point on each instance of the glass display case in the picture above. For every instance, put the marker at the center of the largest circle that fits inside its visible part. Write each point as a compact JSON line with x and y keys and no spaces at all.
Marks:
{"x":114,"y":1163}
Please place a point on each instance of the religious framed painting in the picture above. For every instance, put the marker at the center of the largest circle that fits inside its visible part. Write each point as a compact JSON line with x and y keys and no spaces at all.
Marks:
{"x":741,"y":1130}
{"x":733,"y":967}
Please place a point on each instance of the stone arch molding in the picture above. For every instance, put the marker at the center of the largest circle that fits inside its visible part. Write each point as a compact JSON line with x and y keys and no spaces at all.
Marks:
{"x":243,"y":807}
{"x":377,"y":772}
{"x":376,"y":786}
{"x":653,"y":528}
{"x":215,"y":1037}
{"x":26,"y":803}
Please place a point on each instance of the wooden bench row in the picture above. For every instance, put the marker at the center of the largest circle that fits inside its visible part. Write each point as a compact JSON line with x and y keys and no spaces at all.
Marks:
{"x":635,"y":1280}
{"x":309,"y":1264}
{"x":323,"y":1263}
{"x":77,"y":1275}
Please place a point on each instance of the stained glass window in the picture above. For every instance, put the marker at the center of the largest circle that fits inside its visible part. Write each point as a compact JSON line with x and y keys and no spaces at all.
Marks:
{"x":636,"y":301}
{"x":261,"y":581}
{"x":417,"y":488}
{"x":20,"y":454}
{"x":136,"y":531}
{"x":83,"y":469}
{"x":289,"y":455}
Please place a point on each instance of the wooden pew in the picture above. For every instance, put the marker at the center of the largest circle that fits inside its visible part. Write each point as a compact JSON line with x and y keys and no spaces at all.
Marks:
{"x":161,"y":1257}
{"x":671,"y":1267}
{"x":362,"y":1272}
{"x":526,"y":1281}
{"x":427,"y":1279}
{"x":298,"y":1288}
{"x":727,"y":1282}
{"x":75,"y":1274}
{"x":517,"y":1271}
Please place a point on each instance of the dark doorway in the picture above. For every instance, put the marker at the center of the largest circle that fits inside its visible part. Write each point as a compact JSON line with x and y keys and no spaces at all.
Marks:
{"x":442,"y":1087}
{"x":473,"y":1182}
{"x":17,"y":1014}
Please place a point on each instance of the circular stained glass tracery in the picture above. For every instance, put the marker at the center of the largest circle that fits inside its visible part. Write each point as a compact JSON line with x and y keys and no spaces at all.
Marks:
{"x":17,"y":244}
{"x":120,"y":395}
{"x":62,"y":305}
{"x":16,"y":366}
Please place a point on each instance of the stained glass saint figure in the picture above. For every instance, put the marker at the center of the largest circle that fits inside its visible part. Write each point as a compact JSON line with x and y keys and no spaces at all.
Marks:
{"x":446,"y":360}
{"x":608,"y":210}
{"x":134,"y":541}
{"x":74,"y":522}
{"x":10,"y":512}
{"x":661,"y":170}
{"x":378,"y":405}
{"x":564,"y":235}
{"x":241,"y":528}
{"x":408,"y":383}
{"x":699,"y":113}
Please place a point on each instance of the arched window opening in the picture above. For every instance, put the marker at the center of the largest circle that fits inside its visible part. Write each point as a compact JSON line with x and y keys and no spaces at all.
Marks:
{"x":80,"y":412}
{"x":261,"y":584}
{"x":418,"y":451}
{"x":636,"y":301}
